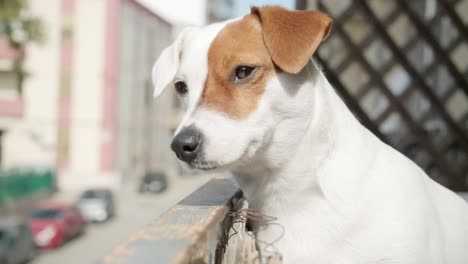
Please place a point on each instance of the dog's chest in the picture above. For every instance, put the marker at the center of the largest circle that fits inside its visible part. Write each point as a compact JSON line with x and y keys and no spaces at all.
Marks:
{"x":300,"y":231}
{"x":311,"y":229}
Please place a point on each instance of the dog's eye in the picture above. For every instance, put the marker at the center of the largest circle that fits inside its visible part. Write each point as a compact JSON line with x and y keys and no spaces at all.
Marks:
{"x":181,"y":87}
{"x":243,"y":72}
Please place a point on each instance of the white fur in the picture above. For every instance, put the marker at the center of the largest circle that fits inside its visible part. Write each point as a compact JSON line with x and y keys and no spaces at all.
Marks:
{"x":341,"y":194}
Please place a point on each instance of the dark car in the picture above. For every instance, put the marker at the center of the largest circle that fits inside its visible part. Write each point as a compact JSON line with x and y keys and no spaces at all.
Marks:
{"x":55,"y":223}
{"x":154,"y":182}
{"x":97,"y":205}
{"x":16,"y":241}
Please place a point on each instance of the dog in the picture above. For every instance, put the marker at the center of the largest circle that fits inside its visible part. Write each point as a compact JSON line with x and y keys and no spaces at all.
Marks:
{"x":257,"y":106}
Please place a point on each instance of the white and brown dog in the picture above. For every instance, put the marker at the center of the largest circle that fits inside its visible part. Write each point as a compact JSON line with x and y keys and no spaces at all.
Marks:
{"x":257,"y":106}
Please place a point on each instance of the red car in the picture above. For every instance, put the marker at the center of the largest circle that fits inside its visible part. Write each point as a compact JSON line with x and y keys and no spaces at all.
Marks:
{"x":53,"y":224}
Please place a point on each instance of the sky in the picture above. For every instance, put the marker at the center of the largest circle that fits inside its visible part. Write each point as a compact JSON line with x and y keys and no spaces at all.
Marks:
{"x":179,"y":11}
{"x":193,"y":11}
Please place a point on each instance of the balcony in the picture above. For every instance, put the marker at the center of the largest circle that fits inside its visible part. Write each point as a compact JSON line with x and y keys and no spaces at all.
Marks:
{"x":11,"y":103}
{"x":9,"y":53}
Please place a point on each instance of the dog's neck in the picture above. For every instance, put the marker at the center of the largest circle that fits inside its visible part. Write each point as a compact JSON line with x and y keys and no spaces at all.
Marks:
{"x":307,"y":152}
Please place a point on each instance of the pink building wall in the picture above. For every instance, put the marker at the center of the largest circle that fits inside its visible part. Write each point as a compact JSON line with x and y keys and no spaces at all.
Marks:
{"x":110,"y":86}
{"x":65,"y":86}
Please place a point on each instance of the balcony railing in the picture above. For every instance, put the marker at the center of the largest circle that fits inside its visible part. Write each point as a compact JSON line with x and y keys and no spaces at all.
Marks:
{"x":209,"y":226}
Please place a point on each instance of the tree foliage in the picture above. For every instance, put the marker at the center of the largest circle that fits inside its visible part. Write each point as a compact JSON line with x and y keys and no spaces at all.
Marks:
{"x":17,"y":24}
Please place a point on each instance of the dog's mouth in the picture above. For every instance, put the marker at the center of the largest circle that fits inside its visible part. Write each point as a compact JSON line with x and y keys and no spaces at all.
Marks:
{"x":204,"y":165}
{"x":200,"y":163}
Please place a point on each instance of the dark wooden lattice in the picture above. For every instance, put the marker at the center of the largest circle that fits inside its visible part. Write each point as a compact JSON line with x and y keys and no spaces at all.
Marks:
{"x":402,"y":68}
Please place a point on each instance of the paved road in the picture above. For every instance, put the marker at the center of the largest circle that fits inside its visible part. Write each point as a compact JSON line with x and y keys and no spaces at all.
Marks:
{"x":134,"y":211}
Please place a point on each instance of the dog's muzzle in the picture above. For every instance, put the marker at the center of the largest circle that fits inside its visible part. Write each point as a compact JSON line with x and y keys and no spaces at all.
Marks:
{"x":187,"y":144}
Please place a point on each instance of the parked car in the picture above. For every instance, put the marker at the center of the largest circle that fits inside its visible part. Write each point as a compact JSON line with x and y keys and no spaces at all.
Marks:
{"x":16,"y":241}
{"x":97,"y":205}
{"x":154,"y":182}
{"x":55,"y":223}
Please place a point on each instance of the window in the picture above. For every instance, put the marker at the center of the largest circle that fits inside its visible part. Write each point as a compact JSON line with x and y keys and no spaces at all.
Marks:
{"x":9,"y":84}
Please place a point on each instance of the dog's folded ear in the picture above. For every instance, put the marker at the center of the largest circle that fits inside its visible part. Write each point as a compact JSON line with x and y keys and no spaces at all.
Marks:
{"x":292,"y":36}
{"x":165,"y":68}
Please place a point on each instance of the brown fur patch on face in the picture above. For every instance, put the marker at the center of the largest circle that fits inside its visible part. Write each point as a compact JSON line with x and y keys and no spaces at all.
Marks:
{"x":239,"y":44}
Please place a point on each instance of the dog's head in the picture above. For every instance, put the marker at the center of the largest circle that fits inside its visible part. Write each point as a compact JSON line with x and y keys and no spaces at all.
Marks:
{"x":234,"y":78}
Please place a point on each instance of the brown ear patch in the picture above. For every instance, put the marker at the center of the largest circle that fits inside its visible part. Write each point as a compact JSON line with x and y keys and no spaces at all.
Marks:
{"x":240,"y":43}
{"x":292,"y":36}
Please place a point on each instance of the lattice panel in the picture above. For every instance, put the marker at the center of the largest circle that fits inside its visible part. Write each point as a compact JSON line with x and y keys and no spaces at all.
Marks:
{"x":402,"y":67}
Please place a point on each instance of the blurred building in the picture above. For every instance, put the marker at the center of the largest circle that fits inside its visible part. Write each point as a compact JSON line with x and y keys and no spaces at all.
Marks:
{"x":180,"y":12}
{"x":86,"y":105}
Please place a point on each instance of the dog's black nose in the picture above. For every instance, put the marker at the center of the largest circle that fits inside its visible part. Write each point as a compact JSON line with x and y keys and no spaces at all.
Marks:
{"x":186,"y":144}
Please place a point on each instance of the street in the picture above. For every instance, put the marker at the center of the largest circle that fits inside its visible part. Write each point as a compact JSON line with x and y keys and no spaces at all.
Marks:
{"x":133,"y":212}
